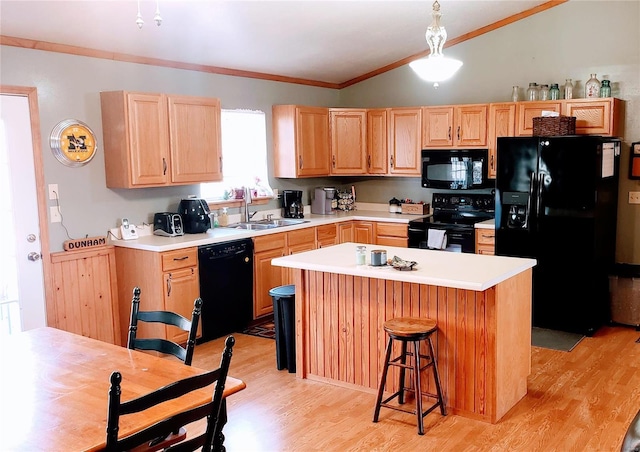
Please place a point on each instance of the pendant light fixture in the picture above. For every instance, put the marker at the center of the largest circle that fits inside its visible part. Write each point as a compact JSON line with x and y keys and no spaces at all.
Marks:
{"x":157,"y":17}
{"x":435,"y":67}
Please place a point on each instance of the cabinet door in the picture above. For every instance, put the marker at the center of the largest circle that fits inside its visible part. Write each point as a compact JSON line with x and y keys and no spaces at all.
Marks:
{"x":470,"y":126}
{"x":592,"y":116}
{"x":312,"y":141}
{"x":377,"y":141}
{"x":266,"y":277}
{"x":485,"y":241}
{"x":405,"y":140}
{"x":196,"y":146}
{"x":528,"y":110}
{"x":502,"y":123}
{"x":437,"y":127}
{"x":148,"y":138}
{"x":363,"y":232}
{"x":326,"y":235}
{"x":348,"y":141}
{"x":345,"y":232}
{"x":181,"y":288}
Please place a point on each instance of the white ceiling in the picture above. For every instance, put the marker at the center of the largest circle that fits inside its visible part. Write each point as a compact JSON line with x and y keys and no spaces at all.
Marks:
{"x":330,"y":41}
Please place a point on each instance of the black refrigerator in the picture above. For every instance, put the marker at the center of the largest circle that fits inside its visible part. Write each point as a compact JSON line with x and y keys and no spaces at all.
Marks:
{"x":556,"y":202}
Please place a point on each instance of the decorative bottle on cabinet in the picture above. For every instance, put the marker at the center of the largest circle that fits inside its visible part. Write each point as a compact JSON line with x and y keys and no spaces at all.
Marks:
{"x":532,"y":92}
{"x":568,"y":89}
{"x":605,"y":89}
{"x":515,"y":93}
{"x":592,"y":87}
{"x":554,"y":92}
{"x":544,"y":92}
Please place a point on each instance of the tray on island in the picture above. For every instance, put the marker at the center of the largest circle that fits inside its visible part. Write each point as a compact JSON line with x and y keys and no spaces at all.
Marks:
{"x":401,"y":264}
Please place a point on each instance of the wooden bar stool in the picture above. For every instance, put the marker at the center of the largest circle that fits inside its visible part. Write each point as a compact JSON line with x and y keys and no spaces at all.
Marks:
{"x":414,"y":330}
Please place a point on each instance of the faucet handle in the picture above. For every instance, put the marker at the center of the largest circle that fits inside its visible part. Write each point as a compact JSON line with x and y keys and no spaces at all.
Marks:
{"x":269,"y":216}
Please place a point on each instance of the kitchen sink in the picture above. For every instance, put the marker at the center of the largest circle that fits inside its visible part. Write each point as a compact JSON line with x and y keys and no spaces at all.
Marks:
{"x":281,"y":222}
{"x":261,"y":225}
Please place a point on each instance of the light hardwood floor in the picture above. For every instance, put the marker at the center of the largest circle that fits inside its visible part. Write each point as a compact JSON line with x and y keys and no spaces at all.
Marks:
{"x":582,"y":400}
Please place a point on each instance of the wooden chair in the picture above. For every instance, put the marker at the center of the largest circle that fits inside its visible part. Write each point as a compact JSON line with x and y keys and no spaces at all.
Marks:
{"x":211,"y":439}
{"x":168,"y":318}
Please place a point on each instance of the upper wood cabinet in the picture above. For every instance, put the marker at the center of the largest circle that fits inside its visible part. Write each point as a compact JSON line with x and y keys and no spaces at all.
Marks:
{"x":502,"y":123}
{"x":462,"y":126}
{"x":596,"y":116}
{"x":405,"y":138}
{"x":377,"y":141}
{"x":300,"y":141}
{"x":153,"y":140}
{"x":348,"y":128}
{"x":532,"y":109}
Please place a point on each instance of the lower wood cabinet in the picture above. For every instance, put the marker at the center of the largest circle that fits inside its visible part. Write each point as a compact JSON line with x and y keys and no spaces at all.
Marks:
{"x":363,"y":231}
{"x":392,"y":234}
{"x":86,"y":294}
{"x":485,"y":241}
{"x":168,"y":281}
{"x":326,"y":235}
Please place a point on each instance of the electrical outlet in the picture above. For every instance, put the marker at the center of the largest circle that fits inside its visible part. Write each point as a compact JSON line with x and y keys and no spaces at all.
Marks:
{"x":54,"y":214}
{"x":634,"y":197}
{"x":53,"y":191}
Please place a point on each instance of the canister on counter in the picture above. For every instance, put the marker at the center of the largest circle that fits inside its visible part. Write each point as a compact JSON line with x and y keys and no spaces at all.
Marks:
{"x":378,"y":258}
{"x":361,"y":255}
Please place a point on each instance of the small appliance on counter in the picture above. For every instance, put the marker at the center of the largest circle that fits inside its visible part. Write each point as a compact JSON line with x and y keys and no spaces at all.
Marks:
{"x":167,"y":224}
{"x":292,"y":204}
{"x":195,"y":215}
{"x":323,"y":201}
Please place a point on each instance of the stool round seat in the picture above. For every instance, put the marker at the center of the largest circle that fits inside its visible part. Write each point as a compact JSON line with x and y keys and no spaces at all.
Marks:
{"x":410,"y":328}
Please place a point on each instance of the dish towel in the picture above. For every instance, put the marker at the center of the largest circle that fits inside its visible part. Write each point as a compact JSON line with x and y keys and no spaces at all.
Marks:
{"x":436,"y":239}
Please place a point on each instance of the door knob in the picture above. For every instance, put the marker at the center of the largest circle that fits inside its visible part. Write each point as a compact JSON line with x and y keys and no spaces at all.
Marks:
{"x":33,"y":256}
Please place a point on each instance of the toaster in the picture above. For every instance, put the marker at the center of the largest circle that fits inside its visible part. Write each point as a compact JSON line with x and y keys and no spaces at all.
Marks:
{"x":167,"y":224}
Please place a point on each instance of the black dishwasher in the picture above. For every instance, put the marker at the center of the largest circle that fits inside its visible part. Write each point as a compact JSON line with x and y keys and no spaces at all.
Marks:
{"x":226,"y":287}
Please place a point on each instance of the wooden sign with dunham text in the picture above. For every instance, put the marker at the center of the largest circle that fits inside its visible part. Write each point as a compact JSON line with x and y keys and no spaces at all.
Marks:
{"x":87,"y":242}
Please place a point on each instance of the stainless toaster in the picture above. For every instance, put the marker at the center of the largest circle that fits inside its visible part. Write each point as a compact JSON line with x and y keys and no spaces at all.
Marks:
{"x":167,"y":224}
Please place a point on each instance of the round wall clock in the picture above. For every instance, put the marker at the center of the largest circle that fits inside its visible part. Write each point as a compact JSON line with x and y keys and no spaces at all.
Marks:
{"x":73,"y":143}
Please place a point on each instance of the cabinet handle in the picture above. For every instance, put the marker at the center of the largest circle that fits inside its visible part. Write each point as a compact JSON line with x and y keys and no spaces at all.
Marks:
{"x":449,"y":133}
{"x":183,"y":258}
{"x":368,"y":161}
{"x":333,"y":161}
{"x":492,"y":167}
{"x":300,"y":162}
{"x":392,"y":161}
{"x":458,"y":132}
{"x":221,"y":164}
{"x":169,"y":285}
{"x":164,"y":166}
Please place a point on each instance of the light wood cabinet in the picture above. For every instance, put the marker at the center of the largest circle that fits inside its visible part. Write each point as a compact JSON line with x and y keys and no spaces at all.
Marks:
{"x":363,"y":231}
{"x":485,"y":241}
{"x":153,"y":140}
{"x":300,"y":141}
{"x":326,"y":235}
{"x":377,"y":141}
{"x":531,"y":109}
{"x":502,"y":123}
{"x":458,"y":126}
{"x":168,"y":281}
{"x":85,"y":299}
{"x":267,"y":276}
{"x":392,"y":234}
{"x":405,"y":140}
{"x":345,"y":232}
{"x":348,"y":129}
{"x":596,"y":116}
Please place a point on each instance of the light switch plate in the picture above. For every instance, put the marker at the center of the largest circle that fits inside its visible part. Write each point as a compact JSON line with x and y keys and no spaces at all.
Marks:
{"x":634,"y":197}
{"x":53,"y":191}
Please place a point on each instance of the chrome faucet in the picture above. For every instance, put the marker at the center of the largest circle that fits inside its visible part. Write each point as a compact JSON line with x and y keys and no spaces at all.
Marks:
{"x":247,"y":200}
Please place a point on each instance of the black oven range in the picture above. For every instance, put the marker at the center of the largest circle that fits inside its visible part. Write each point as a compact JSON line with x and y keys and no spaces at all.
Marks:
{"x":454,"y":216}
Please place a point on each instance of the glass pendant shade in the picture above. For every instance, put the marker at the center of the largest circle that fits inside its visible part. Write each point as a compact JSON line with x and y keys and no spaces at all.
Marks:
{"x":435,"y":67}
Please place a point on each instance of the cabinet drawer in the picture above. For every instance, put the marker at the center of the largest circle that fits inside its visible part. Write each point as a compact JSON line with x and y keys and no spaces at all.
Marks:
{"x":187,"y":257}
{"x":400,"y":242}
{"x":392,"y":230}
{"x":269,"y":242}
{"x":326,"y":232}
{"x":306,"y":235}
{"x":485,"y":236}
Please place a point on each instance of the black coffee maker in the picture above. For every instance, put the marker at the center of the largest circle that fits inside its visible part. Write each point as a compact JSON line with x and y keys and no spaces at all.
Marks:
{"x":292,"y":204}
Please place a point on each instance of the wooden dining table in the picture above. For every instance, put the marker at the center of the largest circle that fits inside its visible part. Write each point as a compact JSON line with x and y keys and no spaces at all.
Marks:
{"x":54,"y":385}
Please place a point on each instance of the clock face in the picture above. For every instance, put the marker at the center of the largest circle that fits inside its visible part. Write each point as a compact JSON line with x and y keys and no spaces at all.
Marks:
{"x":73,"y":143}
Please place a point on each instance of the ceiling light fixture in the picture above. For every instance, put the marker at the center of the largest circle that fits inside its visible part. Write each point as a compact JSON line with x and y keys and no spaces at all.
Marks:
{"x":435,"y":67}
{"x":157,"y":17}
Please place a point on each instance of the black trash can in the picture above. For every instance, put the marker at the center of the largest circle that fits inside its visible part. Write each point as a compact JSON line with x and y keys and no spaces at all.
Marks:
{"x":284,"y":319}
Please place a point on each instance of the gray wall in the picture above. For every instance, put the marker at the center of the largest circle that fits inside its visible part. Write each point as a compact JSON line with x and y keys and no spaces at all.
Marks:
{"x":568,"y":41}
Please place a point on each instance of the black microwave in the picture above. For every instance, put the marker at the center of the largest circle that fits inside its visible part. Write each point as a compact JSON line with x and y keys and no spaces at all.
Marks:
{"x":455,"y":169}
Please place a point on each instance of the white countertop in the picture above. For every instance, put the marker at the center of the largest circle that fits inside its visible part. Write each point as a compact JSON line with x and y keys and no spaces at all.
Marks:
{"x":487,"y":224}
{"x":218,"y":235}
{"x":439,"y":268}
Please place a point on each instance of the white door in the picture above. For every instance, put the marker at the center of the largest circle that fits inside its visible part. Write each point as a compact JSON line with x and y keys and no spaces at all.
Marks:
{"x":22,"y":301}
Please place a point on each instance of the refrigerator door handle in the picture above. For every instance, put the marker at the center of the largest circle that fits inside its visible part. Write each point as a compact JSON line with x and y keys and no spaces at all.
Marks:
{"x":532,"y":180}
{"x":539,"y":195}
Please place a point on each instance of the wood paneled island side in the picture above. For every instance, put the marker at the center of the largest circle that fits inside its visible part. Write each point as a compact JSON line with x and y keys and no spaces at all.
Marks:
{"x":482,"y":305}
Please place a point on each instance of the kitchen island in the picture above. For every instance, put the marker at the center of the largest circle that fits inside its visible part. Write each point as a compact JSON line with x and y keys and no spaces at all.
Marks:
{"x":482,"y":305}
